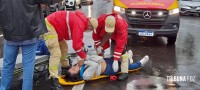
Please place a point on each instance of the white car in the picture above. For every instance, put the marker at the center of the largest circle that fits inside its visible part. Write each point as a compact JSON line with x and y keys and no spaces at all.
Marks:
{"x":189,"y":6}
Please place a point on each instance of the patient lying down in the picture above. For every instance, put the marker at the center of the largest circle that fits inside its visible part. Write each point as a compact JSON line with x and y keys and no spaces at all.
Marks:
{"x":97,"y":66}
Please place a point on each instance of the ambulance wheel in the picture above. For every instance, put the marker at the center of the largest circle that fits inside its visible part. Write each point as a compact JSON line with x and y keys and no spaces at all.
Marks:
{"x":171,"y":40}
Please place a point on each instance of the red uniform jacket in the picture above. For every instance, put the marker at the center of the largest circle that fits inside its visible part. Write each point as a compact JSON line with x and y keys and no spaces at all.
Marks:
{"x":77,"y":22}
{"x":120,"y":34}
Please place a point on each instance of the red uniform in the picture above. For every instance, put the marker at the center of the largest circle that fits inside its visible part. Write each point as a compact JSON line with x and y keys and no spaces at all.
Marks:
{"x":119,"y":35}
{"x":69,"y":28}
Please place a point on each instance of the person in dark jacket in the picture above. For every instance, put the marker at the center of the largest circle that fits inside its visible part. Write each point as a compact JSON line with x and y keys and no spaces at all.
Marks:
{"x":22,"y":23}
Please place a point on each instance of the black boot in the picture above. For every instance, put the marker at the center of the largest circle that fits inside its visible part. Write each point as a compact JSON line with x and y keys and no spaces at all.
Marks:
{"x":64,"y":70}
{"x":122,"y":76}
{"x":55,"y":84}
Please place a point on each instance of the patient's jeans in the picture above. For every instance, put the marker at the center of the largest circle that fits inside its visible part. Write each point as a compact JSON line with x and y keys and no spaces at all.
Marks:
{"x":28,"y":61}
{"x":109,"y":70}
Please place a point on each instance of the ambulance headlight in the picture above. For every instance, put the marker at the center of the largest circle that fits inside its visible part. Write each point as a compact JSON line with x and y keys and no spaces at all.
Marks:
{"x":119,"y":9}
{"x":174,"y":11}
{"x":160,"y":13}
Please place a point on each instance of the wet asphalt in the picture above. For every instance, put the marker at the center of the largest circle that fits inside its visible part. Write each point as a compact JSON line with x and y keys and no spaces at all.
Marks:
{"x":181,"y":59}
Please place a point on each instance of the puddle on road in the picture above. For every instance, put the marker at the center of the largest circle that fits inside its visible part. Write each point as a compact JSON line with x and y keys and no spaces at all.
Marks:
{"x":150,"y":83}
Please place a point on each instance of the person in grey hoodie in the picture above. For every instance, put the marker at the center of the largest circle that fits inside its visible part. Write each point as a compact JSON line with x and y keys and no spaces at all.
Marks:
{"x":96,"y":66}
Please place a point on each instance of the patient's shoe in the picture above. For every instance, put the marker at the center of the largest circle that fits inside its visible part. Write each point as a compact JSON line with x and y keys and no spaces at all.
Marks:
{"x":144,"y":60}
{"x":55,"y":84}
{"x":130,"y":56}
{"x":122,"y":77}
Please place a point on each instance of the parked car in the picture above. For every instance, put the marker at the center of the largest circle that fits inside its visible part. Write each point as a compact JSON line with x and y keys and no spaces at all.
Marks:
{"x":150,"y":17}
{"x":48,"y":9}
{"x":189,"y":7}
{"x":87,"y":2}
{"x":71,"y":4}
{"x":56,"y":6}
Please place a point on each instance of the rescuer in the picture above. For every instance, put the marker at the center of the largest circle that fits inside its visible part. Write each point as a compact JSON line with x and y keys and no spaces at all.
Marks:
{"x":114,"y":27}
{"x":62,"y":26}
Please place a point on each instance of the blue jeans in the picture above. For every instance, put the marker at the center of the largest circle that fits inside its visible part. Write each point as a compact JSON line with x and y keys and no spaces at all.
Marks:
{"x":109,"y":70}
{"x":28,"y":61}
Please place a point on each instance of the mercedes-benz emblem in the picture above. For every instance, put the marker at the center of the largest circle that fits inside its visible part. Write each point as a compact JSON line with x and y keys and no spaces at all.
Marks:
{"x":147,"y":15}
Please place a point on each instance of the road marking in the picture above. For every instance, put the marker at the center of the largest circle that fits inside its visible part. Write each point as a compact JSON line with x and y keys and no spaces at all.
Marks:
{"x":78,"y":87}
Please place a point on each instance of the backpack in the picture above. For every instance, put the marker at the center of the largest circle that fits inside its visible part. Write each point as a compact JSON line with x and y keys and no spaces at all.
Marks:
{"x":42,"y":48}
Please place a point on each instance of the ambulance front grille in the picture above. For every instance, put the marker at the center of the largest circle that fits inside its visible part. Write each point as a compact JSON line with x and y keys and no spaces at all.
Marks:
{"x":137,"y":16}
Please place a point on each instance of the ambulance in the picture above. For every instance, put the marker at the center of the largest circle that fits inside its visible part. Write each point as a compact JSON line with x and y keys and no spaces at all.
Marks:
{"x":150,"y":17}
